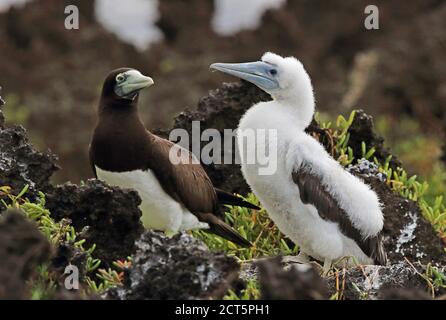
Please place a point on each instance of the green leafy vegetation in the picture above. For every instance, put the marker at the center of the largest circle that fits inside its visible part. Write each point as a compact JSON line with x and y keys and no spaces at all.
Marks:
{"x":251,"y":292}
{"x":61,"y":232}
{"x":257,"y":227}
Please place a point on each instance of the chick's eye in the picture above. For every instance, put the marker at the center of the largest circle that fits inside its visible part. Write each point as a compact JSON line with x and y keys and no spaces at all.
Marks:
{"x":273,"y":72}
{"x":120,"y":78}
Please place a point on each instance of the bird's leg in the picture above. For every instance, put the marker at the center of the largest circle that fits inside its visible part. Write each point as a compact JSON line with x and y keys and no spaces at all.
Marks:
{"x":327,"y":267}
{"x":300,"y":258}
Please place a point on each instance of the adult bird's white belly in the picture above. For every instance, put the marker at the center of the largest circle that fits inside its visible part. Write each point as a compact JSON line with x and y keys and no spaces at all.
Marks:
{"x":159,"y":210}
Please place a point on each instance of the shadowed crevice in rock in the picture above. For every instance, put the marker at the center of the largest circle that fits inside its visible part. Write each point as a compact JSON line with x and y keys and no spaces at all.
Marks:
{"x":181,"y":267}
{"x":110,"y":216}
{"x":22,"y":249}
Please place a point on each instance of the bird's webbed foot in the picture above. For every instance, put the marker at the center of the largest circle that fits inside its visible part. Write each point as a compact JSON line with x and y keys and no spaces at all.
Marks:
{"x":302,"y":258}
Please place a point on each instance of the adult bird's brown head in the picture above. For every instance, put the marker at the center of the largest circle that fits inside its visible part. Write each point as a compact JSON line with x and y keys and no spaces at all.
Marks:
{"x":122,"y":86}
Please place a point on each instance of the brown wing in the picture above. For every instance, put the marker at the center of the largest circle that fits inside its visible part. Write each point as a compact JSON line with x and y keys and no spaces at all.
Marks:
{"x":313,"y":192}
{"x":177,"y":179}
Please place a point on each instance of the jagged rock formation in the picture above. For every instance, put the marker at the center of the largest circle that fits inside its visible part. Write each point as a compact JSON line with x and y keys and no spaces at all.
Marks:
{"x":108,"y":216}
{"x":176,"y":268}
{"x":21,"y":164}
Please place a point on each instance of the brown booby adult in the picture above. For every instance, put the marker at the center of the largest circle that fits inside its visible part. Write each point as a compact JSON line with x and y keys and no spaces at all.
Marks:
{"x":175,"y":197}
{"x":312,"y":199}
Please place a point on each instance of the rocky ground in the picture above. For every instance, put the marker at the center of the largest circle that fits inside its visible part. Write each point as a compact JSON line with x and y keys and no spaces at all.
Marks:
{"x":182,"y":266}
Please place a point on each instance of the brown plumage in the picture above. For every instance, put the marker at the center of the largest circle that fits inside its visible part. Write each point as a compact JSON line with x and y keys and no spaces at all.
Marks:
{"x":121,"y":143}
{"x":313,"y":192}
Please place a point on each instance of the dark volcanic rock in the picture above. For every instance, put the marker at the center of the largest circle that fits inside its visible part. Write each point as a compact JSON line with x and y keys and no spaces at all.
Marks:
{"x":406,"y":232}
{"x":111,"y":215}
{"x":21,"y":164}
{"x":67,"y":254}
{"x":367,"y":282}
{"x":22,"y":248}
{"x":299,"y":282}
{"x":361,"y":130}
{"x":176,"y":268}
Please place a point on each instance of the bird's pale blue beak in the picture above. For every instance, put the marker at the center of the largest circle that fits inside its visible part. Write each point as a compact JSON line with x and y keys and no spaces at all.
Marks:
{"x":261,"y":74}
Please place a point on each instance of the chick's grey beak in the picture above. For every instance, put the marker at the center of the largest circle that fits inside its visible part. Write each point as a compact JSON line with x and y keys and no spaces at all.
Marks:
{"x":257,"y":73}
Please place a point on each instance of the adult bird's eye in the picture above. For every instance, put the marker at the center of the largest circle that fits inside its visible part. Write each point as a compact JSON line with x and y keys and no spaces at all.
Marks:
{"x":273,"y":72}
{"x":120,"y":78}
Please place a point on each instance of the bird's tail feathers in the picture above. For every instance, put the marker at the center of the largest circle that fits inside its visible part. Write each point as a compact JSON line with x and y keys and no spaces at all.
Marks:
{"x":223,"y":230}
{"x":230,"y":199}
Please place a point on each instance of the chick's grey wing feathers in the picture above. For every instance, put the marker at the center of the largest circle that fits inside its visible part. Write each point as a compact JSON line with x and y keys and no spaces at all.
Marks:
{"x":313,"y":192}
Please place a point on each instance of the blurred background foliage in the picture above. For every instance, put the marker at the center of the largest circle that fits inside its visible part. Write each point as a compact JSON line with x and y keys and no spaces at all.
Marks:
{"x":52,"y":77}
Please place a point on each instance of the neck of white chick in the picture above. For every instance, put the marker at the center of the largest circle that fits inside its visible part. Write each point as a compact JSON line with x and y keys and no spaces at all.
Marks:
{"x":297,"y":100}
